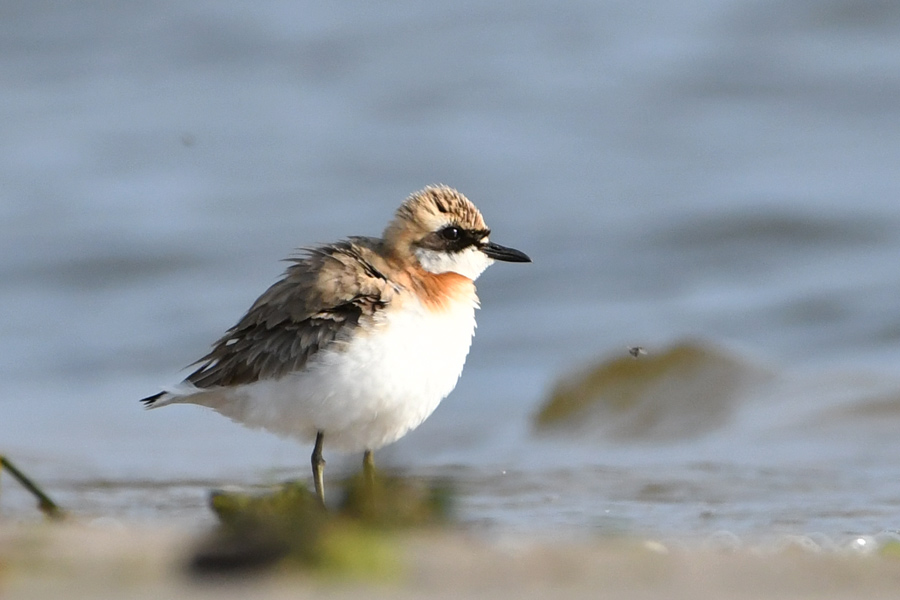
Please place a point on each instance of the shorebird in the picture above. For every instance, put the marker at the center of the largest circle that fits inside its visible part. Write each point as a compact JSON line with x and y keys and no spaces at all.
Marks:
{"x":360,"y":340}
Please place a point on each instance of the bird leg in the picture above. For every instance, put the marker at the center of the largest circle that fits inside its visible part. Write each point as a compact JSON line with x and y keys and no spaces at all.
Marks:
{"x":369,"y":469}
{"x":318,"y":467}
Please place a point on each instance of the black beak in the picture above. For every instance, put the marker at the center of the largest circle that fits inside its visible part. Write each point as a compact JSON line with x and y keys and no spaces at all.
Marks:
{"x":498,"y":252}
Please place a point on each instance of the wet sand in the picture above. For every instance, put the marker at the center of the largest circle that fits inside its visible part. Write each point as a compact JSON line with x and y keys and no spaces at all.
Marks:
{"x":118,"y":560}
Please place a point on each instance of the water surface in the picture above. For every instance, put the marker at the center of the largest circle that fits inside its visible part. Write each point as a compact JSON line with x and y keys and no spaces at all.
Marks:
{"x":714,"y":170}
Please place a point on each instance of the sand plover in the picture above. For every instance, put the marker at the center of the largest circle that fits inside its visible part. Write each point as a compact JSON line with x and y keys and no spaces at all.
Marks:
{"x":360,"y":340}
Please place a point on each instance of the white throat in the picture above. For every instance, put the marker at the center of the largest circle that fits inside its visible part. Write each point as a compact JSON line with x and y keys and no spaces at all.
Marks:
{"x":470,"y":262}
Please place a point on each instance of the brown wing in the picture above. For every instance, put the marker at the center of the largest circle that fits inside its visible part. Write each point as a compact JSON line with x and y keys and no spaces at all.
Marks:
{"x":321,"y":299}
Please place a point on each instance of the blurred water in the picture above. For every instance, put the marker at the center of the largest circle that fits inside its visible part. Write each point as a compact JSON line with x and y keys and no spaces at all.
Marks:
{"x":721,"y":170}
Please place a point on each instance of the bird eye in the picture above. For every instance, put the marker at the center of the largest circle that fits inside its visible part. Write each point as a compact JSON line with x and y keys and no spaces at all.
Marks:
{"x":450,"y":233}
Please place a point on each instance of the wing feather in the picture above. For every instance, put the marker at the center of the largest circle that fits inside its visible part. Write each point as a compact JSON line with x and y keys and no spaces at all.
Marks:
{"x":322,"y":297}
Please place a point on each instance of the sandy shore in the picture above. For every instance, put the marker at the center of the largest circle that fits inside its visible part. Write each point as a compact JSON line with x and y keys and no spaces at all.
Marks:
{"x":114,"y":560}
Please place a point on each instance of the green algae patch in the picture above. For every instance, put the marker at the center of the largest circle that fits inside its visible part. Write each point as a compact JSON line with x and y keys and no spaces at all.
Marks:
{"x":890,"y":550}
{"x":289,"y":528}
{"x":679,"y":392}
{"x":395,"y":502}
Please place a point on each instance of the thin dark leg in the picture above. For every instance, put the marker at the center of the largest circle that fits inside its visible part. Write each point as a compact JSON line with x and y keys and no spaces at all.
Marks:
{"x":318,"y":467}
{"x":369,"y":469}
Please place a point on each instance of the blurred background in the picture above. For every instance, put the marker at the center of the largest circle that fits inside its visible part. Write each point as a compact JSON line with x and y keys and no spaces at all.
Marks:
{"x":721,"y":171}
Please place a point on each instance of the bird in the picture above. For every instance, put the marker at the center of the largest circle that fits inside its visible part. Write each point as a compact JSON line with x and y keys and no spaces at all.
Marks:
{"x":359,"y":340}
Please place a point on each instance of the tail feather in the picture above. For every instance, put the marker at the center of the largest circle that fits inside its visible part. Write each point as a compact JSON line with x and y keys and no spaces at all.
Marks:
{"x":179,"y":393}
{"x":150,"y":401}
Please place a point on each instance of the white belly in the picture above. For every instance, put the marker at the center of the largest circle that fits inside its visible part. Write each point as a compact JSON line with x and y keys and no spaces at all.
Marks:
{"x":367,"y":394}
